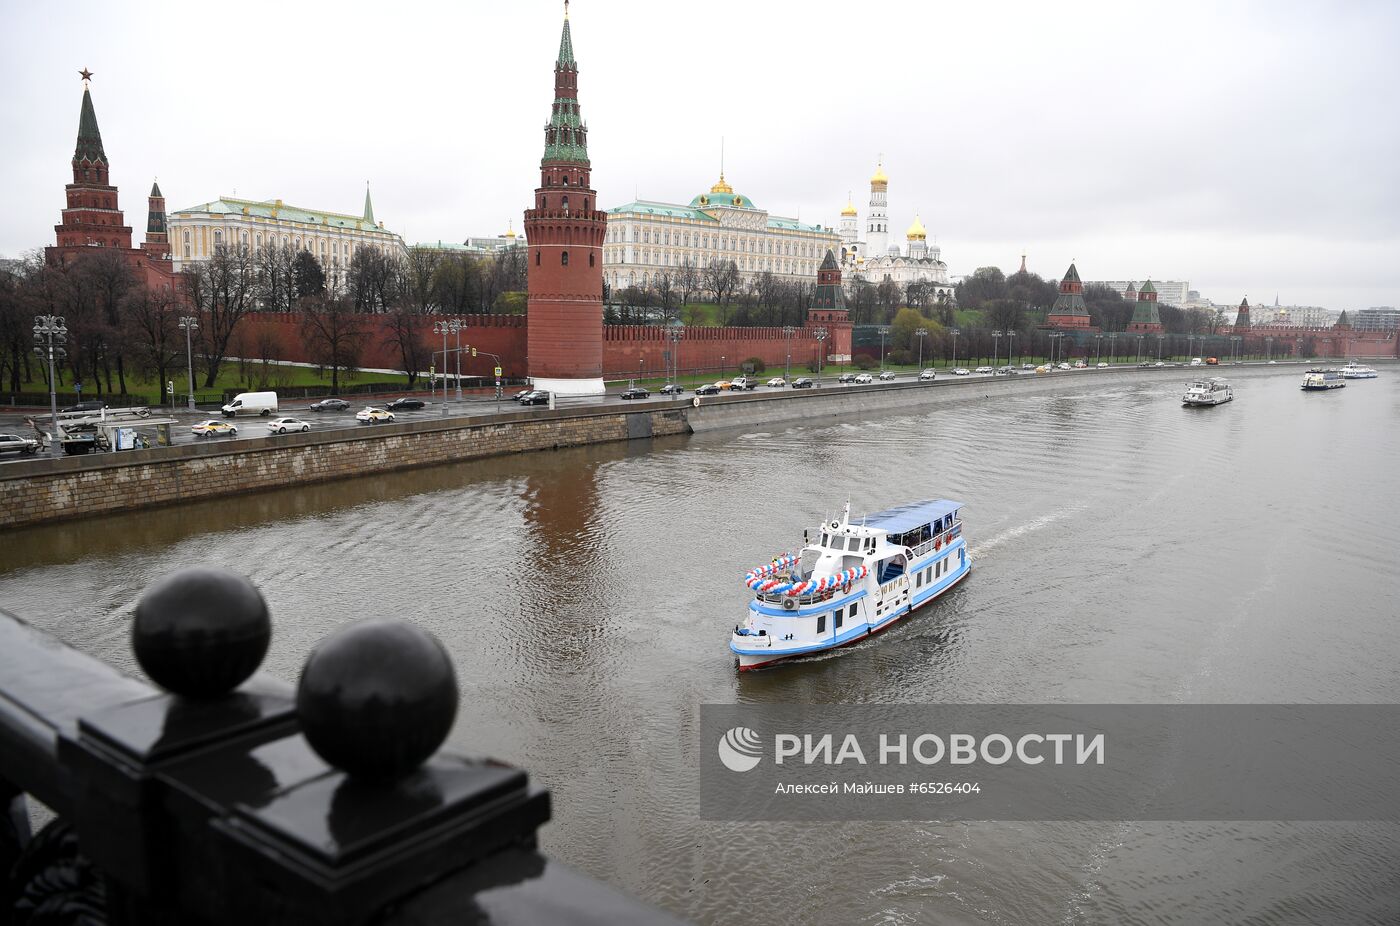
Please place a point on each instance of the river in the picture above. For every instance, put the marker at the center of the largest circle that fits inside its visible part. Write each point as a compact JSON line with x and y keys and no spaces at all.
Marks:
{"x":1125,"y":550}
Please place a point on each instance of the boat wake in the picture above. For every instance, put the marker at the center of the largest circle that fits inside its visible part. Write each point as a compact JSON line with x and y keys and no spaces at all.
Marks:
{"x":1020,"y":530}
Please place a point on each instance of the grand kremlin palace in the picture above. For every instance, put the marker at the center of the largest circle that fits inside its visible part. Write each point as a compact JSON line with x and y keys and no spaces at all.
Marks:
{"x":647,"y":238}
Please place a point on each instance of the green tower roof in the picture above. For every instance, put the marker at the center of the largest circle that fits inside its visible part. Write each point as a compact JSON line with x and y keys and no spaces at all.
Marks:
{"x":1147,"y":287}
{"x":89,"y":136}
{"x":369,"y":207}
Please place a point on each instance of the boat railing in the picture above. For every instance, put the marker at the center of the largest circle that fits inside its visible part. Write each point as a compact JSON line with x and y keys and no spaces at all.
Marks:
{"x":809,"y":598}
{"x":938,"y":541}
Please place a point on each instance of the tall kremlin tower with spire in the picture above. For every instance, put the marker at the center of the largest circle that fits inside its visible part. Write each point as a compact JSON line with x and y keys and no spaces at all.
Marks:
{"x":92,"y":219}
{"x":565,"y":230}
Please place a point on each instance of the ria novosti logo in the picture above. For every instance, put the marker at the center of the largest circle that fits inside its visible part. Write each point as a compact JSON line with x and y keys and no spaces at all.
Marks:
{"x":740,"y":749}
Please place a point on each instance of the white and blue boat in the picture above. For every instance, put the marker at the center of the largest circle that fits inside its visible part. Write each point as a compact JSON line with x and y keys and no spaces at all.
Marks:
{"x":854,"y":581}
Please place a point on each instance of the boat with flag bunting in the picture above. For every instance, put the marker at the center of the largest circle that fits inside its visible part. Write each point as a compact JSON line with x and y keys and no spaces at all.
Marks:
{"x":853,"y":581}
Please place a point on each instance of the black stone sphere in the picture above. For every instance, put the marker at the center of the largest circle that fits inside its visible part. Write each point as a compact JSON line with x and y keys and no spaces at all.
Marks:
{"x":377,"y":698}
{"x":201,"y":632}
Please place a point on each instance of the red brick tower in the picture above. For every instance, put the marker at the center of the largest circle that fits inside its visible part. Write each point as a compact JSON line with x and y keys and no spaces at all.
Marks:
{"x":1146,"y":319}
{"x":1069,"y":310}
{"x":828,"y":309}
{"x":565,"y":231}
{"x":91,"y":217}
{"x":157,"y":243}
{"x":1242,"y":319}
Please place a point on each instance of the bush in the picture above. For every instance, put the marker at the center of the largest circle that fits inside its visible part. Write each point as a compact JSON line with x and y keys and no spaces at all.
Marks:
{"x":811,"y":366}
{"x":754,"y":365}
{"x":864,"y":362}
{"x":899,"y":356}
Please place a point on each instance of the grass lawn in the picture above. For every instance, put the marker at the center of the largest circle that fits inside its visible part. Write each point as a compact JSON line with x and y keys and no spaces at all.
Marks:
{"x":232,"y":375}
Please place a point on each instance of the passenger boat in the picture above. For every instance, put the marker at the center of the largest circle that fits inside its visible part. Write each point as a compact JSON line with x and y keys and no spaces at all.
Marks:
{"x":1317,"y":380}
{"x":854,"y":581}
{"x":1354,"y":370}
{"x":1211,"y":391}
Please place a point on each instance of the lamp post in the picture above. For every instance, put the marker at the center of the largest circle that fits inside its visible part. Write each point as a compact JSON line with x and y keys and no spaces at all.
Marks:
{"x":457,"y":327}
{"x":955,"y":346}
{"x":189,"y":324}
{"x":723,"y":365}
{"x":1268,"y":348}
{"x":675,"y":335}
{"x":921,"y":333}
{"x":788,"y":332}
{"x":441,"y":327}
{"x":1098,"y":348}
{"x":1113,"y":354}
{"x":1054,"y":337}
{"x":884,"y":330}
{"x":1139,"y":348}
{"x":1010,"y":339}
{"x":996,"y":348}
{"x":50,"y":334}
{"x":820,"y":335}
{"x":1159,"y":348}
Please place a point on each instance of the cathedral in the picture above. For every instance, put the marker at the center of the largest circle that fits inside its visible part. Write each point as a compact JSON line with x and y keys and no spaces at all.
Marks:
{"x":877,"y":259}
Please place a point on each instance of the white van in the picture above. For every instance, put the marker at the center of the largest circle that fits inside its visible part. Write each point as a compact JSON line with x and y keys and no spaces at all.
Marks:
{"x":252,"y":403}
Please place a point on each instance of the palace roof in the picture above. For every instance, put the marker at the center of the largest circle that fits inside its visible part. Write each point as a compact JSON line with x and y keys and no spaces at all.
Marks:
{"x":696,"y":212}
{"x":276,"y":209}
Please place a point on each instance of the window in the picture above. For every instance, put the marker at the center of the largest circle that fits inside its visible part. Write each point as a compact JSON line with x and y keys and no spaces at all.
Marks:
{"x":839,"y":615}
{"x":590,"y":258}
{"x":821,"y":624}
{"x":566,"y":203}
{"x":564,"y":258}
{"x":537,"y":258}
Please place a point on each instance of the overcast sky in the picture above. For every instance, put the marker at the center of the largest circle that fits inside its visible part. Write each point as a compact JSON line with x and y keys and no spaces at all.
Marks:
{"x":1250,"y":148}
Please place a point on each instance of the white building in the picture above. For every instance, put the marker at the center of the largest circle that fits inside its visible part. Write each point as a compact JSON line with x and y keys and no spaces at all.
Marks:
{"x":877,"y":260}
{"x":1376,"y":318}
{"x":1299,"y":316}
{"x":646,"y":239}
{"x":1169,"y":292}
{"x":332,"y":236}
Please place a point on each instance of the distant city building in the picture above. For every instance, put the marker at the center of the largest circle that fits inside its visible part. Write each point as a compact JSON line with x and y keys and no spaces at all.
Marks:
{"x":333,"y":237}
{"x":877,"y":260}
{"x":478,"y":246}
{"x":1169,"y":292}
{"x":1292,"y":316}
{"x":647,"y":238}
{"x":1377,"y":318}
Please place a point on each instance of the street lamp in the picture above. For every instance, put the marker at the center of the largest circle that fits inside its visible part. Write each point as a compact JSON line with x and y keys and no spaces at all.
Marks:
{"x":921,"y":333}
{"x":1139,"y":350}
{"x":788,"y":332}
{"x":1054,"y":337}
{"x":996,"y":348}
{"x":50,"y":333}
{"x":1098,"y":348}
{"x":820,"y":335}
{"x":1010,"y":339}
{"x":884,"y":330}
{"x":189,"y":324}
{"x":955,"y":346}
{"x":675,"y":335}
{"x":1159,"y":348}
{"x":723,"y":365}
{"x":1113,"y":354}
{"x":1268,"y":348}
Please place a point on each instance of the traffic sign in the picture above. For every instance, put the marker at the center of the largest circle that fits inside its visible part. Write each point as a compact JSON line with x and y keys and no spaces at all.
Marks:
{"x":498,"y":371}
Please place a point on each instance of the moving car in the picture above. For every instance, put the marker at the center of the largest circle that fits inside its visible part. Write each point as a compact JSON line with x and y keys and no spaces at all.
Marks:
{"x":330,"y":405}
{"x":1004,"y":370}
{"x":672,"y":389}
{"x":283,"y":425}
{"x":983,"y":370}
{"x":373,"y":415}
{"x":864,"y":379}
{"x":534,"y":397}
{"x":1145,"y":363}
{"x":13,"y":443}
{"x":1101,"y":365}
{"x":708,"y":389}
{"x":723,"y":385}
{"x":743,"y":382}
{"x":927,"y":375}
{"x":776,"y":382}
{"x":1044,"y":369}
{"x":636,"y":392}
{"x":521,"y":394}
{"x":405,"y":403}
{"x":962,"y":371}
{"x":1080,"y":365}
{"x":1197,"y":361}
{"x":252,"y":403}
{"x":1062,"y":365}
{"x":846,"y":378}
{"x":92,"y":405}
{"x":887,"y":375}
{"x":802,"y":382}
{"x":1028,"y":366}
{"x":212,"y":427}
{"x":1212,"y":361}
{"x":1161,"y":364}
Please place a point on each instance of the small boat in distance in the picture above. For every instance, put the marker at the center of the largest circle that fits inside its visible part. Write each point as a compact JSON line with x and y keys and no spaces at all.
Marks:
{"x":854,"y":581}
{"x":1354,"y":370}
{"x":1319,"y":380}
{"x":1211,"y":391}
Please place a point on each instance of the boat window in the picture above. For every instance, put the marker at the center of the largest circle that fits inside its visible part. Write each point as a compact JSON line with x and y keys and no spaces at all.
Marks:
{"x":825,"y":540}
{"x":839,"y":615}
{"x":853,"y":545}
{"x":821,"y":624}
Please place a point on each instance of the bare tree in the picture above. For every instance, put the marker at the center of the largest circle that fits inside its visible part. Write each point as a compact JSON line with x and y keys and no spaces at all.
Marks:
{"x":687,"y":280}
{"x":222,"y":289}
{"x":665,"y":289}
{"x":722,"y":279}
{"x":276,"y":287}
{"x":150,"y":318}
{"x":334,"y":334}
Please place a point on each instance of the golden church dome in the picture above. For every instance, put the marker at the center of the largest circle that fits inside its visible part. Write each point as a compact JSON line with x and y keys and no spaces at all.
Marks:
{"x":916,"y":231}
{"x":850,"y":207}
{"x":879,"y":175}
{"x":721,"y":187}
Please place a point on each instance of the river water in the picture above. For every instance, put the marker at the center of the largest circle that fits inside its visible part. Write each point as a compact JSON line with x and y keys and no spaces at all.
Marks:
{"x":1126,"y":550}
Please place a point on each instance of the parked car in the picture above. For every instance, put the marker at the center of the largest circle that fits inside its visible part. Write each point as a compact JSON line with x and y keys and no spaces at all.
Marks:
{"x":776,"y":382}
{"x":283,"y":425}
{"x":743,"y":382}
{"x":708,"y":389}
{"x":864,"y":379}
{"x":636,"y":392}
{"x":213,"y":427}
{"x":373,"y":415}
{"x":330,"y":405}
{"x":802,"y":382}
{"x":534,"y":397}
{"x":405,"y":402}
{"x":92,"y":405}
{"x":927,"y":375}
{"x":1101,"y":365}
{"x":846,"y":378}
{"x":14,"y":443}
{"x":672,"y":389}
{"x":887,"y":375}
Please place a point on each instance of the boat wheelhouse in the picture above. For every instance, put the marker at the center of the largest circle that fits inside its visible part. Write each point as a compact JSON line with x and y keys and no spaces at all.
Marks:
{"x":853,"y":581}
{"x":1213,"y":391}
{"x":1319,"y":380}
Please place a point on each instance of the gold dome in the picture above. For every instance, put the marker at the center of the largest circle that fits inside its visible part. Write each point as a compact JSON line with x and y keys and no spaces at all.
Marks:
{"x":916,"y":231}
{"x":850,"y":207}
{"x":879,"y":175}
{"x":510,"y":230}
{"x":721,"y":187}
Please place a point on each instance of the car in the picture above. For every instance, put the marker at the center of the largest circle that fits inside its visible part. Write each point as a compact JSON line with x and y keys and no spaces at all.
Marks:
{"x":372,"y":415}
{"x":332,"y":404}
{"x":283,"y":425}
{"x":1062,"y":365}
{"x":846,"y":378}
{"x":864,"y":379}
{"x":1080,"y":365}
{"x":1212,"y":361}
{"x":927,"y":375}
{"x":1273,"y":361}
{"x":708,"y":389}
{"x":14,"y":443}
{"x":405,"y":402}
{"x":672,"y":389}
{"x":636,"y":392}
{"x":776,"y":382}
{"x":1009,"y":371}
{"x":1197,"y":361}
{"x":723,"y":385}
{"x":1004,"y":370}
{"x":212,"y":427}
{"x":521,"y":394}
{"x":1161,"y":364}
{"x":981,"y":370}
{"x":1145,"y":363}
{"x":92,"y":405}
{"x":1101,"y":365}
{"x":802,"y":382}
{"x":887,"y":375}
{"x":743,"y":382}
{"x":961,"y":371}
{"x":534,"y":397}
{"x":1028,"y":366}
{"x":1041,"y":370}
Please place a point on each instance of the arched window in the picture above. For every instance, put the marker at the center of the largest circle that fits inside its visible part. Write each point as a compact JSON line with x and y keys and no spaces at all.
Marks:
{"x":566,"y":203}
{"x":566,"y":181}
{"x":537,"y":257}
{"x":590,"y":258}
{"x":564,"y":258}
{"x":585,"y":204}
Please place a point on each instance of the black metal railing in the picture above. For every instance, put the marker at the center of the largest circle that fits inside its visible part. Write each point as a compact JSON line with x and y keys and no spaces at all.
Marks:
{"x":228,"y":797}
